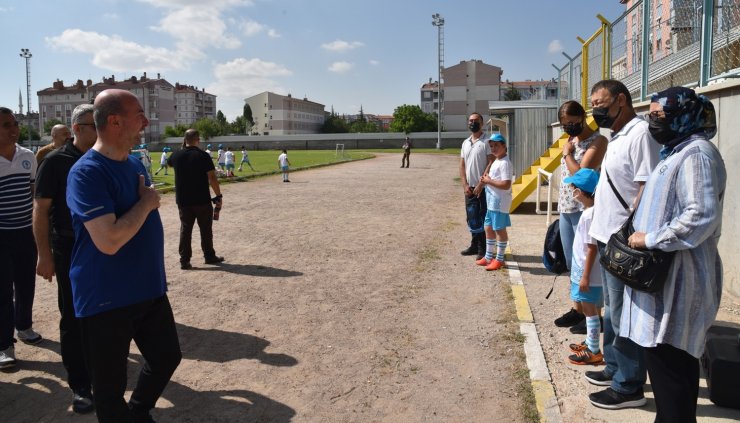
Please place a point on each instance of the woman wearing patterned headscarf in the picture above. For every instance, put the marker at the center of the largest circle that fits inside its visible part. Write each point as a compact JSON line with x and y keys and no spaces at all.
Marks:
{"x":681,"y":211}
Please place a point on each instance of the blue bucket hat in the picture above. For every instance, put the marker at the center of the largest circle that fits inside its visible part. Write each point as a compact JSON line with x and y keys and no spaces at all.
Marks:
{"x":497,"y":138}
{"x":585,"y":180}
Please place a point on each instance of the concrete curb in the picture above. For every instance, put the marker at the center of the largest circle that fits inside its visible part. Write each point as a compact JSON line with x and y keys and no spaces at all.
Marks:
{"x":544,"y":393}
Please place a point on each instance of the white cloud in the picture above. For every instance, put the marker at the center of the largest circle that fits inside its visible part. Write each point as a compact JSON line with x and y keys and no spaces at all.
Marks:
{"x":197,"y":27}
{"x":374,"y":62}
{"x":251,"y":28}
{"x":340,"y":67}
{"x":4,"y":9}
{"x":341,"y":45}
{"x":215,"y":4}
{"x":242,"y":78}
{"x":114,"y":53}
{"x":555,"y":46}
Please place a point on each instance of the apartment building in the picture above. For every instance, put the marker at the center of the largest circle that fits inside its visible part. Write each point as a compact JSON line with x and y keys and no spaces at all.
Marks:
{"x":466,"y":88}
{"x":532,"y":90}
{"x":430,"y":97}
{"x":275,"y":114}
{"x":192,"y":104}
{"x":156,"y":95}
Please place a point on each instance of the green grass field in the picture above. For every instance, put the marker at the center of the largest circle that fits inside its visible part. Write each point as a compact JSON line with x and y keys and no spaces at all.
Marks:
{"x":265,"y":162}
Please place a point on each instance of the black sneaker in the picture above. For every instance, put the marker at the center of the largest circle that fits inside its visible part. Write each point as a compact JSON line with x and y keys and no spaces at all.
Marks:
{"x":598,"y":378}
{"x":186,"y":265}
{"x":214,"y":260}
{"x":580,"y":328}
{"x":570,"y":318}
{"x":613,"y":400}
{"x":82,"y":402}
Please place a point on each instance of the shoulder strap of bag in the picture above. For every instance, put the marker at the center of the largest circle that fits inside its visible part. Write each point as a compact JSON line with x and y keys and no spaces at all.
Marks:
{"x":619,"y":197}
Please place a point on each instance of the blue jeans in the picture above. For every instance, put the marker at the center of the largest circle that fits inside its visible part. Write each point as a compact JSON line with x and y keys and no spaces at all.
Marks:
{"x":568,"y":224}
{"x":625,"y":360}
{"x":475,"y":212}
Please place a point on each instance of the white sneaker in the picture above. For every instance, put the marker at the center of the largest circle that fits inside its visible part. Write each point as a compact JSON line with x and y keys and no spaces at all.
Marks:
{"x":7,"y":358}
{"x":29,"y":336}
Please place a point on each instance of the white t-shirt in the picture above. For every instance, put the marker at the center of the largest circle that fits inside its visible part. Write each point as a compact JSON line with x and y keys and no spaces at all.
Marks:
{"x":475,"y":154}
{"x":581,"y":240}
{"x":220,"y":155}
{"x":630,"y":158}
{"x":163,"y":159}
{"x":498,"y":199}
{"x":283,"y":159}
{"x":229,"y":158}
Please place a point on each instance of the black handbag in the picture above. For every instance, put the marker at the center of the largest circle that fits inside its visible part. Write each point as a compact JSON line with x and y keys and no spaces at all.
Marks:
{"x":643,"y":270}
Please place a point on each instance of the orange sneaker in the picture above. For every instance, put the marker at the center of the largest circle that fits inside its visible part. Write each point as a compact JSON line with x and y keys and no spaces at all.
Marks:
{"x":578,"y":347}
{"x":495,"y":265}
{"x":482,"y":262}
{"x":587,"y":357}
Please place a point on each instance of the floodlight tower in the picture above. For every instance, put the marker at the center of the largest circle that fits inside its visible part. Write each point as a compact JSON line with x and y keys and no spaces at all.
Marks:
{"x":26,"y":54}
{"x":439,"y":22}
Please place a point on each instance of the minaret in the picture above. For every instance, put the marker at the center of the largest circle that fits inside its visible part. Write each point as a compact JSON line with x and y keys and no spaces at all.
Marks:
{"x":20,"y":103}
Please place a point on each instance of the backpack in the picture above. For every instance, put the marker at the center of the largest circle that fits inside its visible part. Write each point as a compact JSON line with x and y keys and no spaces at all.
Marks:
{"x":553,"y":256}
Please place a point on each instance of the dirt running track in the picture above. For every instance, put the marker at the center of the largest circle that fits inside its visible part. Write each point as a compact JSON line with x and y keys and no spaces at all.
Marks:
{"x":343,"y":298}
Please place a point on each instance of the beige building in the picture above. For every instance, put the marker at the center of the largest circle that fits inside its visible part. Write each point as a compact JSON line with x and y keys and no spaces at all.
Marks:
{"x":466,"y":88}
{"x":275,"y":114}
{"x":156,"y":95}
{"x":430,"y":97}
{"x":192,"y":104}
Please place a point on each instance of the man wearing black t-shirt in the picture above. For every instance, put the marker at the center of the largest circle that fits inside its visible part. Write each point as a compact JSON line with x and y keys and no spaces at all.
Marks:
{"x":52,"y":228}
{"x":194,"y":172}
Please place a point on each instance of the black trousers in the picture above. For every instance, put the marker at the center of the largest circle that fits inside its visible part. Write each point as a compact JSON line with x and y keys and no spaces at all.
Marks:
{"x":475,"y":211}
{"x":405,"y":159}
{"x":17,"y":282}
{"x":70,"y":329}
{"x":674,"y":377}
{"x":107,"y":337}
{"x":203,"y":214}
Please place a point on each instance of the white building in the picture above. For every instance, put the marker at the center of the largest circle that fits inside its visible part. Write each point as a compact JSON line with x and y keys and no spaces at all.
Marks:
{"x":275,"y":114}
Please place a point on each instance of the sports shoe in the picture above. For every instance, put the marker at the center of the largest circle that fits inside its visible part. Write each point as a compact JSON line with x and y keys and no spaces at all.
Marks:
{"x":214,"y":260}
{"x":578,"y":347}
{"x":613,"y":400}
{"x":495,"y":265}
{"x":29,"y":336}
{"x":598,"y":378}
{"x":7,"y":358}
{"x":587,"y":357}
{"x":186,"y":265}
{"x":571,"y":318}
{"x":580,"y":328}
{"x":482,"y":262}
{"x":82,"y":402}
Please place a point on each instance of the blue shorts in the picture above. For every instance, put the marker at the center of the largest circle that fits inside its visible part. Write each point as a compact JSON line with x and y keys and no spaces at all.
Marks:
{"x":230,"y":166}
{"x":497,"y":220}
{"x":284,"y":168}
{"x":592,"y":296}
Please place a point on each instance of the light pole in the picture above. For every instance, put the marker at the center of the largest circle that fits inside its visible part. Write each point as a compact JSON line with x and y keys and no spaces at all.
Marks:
{"x":439,"y":22}
{"x":26,"y":54}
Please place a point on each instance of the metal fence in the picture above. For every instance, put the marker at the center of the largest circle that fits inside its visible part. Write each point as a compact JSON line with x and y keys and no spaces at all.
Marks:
{"x":656,"y":44}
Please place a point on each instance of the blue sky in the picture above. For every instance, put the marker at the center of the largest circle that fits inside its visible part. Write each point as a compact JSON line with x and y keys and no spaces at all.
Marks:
{"x":344,"y":54}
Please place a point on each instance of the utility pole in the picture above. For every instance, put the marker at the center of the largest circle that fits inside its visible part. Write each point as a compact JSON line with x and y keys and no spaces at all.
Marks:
{"x":26,"y":54}
{"x":439,"y":22}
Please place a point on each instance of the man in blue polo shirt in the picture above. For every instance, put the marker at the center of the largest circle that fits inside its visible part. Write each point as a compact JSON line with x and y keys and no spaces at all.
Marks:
{"x":118,"y":279}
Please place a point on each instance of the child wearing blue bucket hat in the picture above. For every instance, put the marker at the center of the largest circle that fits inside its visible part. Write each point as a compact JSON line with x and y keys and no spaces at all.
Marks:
{"x":585,"y":270}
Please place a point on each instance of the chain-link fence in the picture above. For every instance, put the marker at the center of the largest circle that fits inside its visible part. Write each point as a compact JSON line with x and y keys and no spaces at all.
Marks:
{"x":726,"y":37}
{"x":670,"y":45}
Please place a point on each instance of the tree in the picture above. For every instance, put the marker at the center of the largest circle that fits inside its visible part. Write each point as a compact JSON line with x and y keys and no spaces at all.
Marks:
{"x":362,"y":126}
{"x":334,"y":124}
{"x":512,"y":94}
{"x":248,"y":118}
{"x":238,"y":126}
{"x":177,"y":131}
{"x":410,"y":118}
{"x":50,"y":124}
{"x":24,"y":134}
{"x":223,"y":124}
{"x":207,"y":128}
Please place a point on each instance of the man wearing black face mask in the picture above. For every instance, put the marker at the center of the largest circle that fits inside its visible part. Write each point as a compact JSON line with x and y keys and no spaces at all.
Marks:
{"x":629,"y":160}
{"x":475,"y":159}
